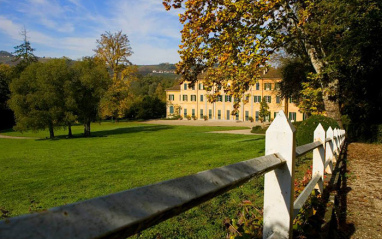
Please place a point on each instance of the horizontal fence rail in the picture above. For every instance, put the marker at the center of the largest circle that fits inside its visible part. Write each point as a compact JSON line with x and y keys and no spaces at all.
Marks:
{"x":306,"y":148}
{"x":125,"y":213}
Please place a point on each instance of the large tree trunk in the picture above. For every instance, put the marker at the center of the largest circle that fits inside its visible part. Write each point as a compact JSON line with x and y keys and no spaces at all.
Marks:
{"x":70,"y":130}
{"x":51,"y":131}
{"x":330,"y":89}
{"x":87,"y":128}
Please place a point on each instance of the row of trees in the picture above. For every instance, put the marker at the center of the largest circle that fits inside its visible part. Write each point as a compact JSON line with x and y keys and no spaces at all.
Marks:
{"x":332,"y":46}
{"x":58,"y":93}
{"x":62,"y":92}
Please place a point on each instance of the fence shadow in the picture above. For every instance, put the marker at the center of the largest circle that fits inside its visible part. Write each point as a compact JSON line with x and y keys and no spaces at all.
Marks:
{"x":333,"y":215}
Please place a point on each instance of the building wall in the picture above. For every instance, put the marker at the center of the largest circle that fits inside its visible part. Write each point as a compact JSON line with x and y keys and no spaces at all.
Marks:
{"x":193,"y":102}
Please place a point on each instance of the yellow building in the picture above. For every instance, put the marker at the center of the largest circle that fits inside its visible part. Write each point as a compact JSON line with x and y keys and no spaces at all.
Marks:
{"x":186,"y":101}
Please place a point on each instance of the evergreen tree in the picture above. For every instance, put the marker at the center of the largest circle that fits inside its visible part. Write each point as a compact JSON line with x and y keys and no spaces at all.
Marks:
{"x":24,"y":53}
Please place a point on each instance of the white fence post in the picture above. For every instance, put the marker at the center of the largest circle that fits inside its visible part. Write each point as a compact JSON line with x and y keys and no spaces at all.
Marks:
{"x":279,"y":183}
{"x":329,"y":151}
{"x":319,"y":157}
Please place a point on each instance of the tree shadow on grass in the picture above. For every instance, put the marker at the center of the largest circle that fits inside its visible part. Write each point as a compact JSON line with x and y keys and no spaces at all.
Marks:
{"x":117,"y":131}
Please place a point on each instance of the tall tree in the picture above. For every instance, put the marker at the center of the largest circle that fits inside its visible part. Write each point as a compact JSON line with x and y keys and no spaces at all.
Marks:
{"x":232,"y":40}
{"x":24,"y":53}
{"x":37,"y":96}
{"x":114,"y":50}
{"x":85,"y":90}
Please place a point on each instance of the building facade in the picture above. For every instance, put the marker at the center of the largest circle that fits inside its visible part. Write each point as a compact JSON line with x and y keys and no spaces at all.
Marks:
{"x":189,"y":101}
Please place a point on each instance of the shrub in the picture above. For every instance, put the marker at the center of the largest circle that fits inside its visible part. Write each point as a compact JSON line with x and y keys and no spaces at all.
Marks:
{"x":250,"y":118}
{"x":296,"y":124}
{"x":258,"y":129}
{"x":188,"y":117}
{"x":194,"y":117}
{"x":205,"y":117}
{"x":306,"y":128}
{"x":173,"y":117}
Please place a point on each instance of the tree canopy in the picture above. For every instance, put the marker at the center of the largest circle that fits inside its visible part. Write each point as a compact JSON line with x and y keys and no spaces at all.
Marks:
{"x":114,"y":50}
{"x":37,"y":96}
{"x":233,"y":40}
{"x":85,"y":91}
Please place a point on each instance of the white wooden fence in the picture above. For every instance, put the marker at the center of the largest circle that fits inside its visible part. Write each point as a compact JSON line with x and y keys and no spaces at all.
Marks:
{"x":123,"y":214}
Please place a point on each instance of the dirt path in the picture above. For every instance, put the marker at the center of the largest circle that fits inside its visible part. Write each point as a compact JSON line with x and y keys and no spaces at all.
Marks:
{"x":14,"y":137}
{"x":204,"y":123}
{"x":239,"y":131}
{"x":364,"y":186}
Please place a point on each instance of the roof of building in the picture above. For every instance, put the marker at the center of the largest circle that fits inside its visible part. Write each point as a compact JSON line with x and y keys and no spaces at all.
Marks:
{"x":272,"y":73}
{"x":175,"y":87}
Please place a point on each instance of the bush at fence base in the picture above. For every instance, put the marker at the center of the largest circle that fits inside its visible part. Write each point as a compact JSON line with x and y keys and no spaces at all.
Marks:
{"x":306,"y":129}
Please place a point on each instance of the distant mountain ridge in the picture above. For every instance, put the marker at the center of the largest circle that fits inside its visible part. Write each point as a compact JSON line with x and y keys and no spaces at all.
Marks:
{"x":5,"y":54}
{"x":162,"y":68}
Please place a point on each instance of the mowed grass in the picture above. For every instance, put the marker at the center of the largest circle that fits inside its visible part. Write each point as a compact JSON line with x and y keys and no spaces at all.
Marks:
{"x":40,"y":174}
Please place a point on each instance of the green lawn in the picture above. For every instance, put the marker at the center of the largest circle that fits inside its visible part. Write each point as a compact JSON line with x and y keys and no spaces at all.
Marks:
{"x":43,"y":173}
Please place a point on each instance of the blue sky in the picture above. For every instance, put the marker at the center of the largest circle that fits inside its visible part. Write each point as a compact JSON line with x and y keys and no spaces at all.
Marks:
{"x":70,"y":28}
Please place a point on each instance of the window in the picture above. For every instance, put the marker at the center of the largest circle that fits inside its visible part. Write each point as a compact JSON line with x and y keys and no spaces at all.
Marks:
{"x":292,"y":116}
{"x":193,"y":97}
{"x":257,"y":98}
{"x":193,"y":87}
{"x":201,"y":86}
{"x":210,"y":114}
{"x":228,"y":98}
{"x":267,"y":86}
{"x":246,"y":115}
{"x":268,"y":98}
{"x":257,"y":86}
{"x":237,"y":116}
{"x":247,"y":98}
{"x":257,"y":115}
{"x":170,"y":97}
{"x":227,"y":115}
{"x":171,"y":109}
{"x":291,"y":100}
{"x":237,"y":99}
{"x":185,"y":98}
{"x":193,"y":112}
{"x":274,"y":115}
{"x":277,"y":86}
{"x":219,"y":87}
{"x":201,"y":98}
{"x":185,"y":86}
{"x":185,"y":113}
{"x":278,"y":100}
{"x":201,"y":113}
{"x":219,"y":114}
{"x":220,"y":98}
{"x":304,"y":116}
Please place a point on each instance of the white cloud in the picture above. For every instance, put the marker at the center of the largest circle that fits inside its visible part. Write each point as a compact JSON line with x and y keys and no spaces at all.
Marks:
{"x":10,"y":28}
{"x":149,"y":54}
{"x":56,"y":28}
